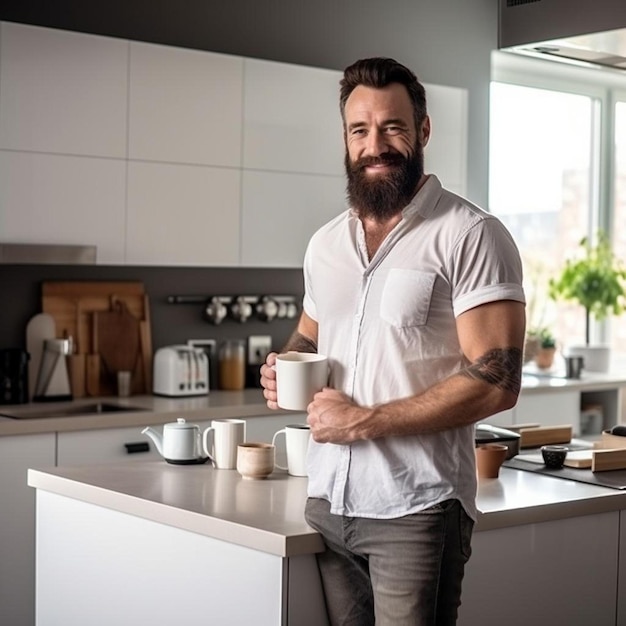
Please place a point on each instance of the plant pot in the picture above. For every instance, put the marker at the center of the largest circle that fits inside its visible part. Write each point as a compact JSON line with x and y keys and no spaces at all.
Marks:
{"x":596,"y":358}
{"x":545,"y":358}
{"x":531,"y":347}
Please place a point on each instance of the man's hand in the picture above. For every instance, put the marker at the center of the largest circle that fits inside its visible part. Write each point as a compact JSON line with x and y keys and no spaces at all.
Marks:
{"x":334,"y":418}
{"x":268,"y":380}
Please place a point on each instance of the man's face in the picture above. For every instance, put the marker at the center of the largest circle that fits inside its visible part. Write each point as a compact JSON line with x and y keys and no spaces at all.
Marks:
{"x":384,"y":150}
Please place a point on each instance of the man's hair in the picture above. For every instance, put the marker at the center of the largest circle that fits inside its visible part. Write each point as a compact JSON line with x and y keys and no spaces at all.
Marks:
{"x":378,"y":72}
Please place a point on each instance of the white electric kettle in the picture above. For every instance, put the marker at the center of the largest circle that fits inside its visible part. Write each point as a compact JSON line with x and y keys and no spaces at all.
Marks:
{"x":180,"y":444}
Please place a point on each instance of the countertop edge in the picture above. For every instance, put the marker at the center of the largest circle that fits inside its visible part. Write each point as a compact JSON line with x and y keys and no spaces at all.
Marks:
{"x":219,"y":405}
{"x":225,"y":530}
{"x":493,"y":520}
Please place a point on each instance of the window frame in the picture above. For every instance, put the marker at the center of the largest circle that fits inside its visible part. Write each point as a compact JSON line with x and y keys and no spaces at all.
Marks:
{"x":605,"y":87}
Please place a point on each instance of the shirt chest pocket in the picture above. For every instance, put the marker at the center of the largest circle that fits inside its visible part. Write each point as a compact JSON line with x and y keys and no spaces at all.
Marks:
{"x":406,"y":297}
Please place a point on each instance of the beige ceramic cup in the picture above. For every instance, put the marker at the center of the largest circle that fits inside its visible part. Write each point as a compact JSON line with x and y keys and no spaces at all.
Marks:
{"x":299,"y":376}
{"x":489,"y":459}
{"x":255,"y":460}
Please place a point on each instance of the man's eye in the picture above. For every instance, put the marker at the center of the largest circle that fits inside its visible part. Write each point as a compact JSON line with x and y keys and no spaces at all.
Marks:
{"x":358,"y":131}
{"x":393,"y":130}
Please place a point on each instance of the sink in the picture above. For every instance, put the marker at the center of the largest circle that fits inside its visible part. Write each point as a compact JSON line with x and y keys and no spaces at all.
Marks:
{"x":68,"y":411}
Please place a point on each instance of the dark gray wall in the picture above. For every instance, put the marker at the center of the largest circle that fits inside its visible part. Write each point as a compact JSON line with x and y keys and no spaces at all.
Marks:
{"x":20,"y":298}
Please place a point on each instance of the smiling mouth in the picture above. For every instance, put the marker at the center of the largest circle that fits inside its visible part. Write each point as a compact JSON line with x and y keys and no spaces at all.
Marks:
{"x":378,"y":168}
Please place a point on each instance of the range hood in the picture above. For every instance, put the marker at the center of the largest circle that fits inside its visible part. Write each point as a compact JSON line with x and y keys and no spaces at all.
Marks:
{"x":584,"y":32}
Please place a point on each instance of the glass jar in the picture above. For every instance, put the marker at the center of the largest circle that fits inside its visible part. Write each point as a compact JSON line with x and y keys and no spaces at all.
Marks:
{"x":232,"y":367}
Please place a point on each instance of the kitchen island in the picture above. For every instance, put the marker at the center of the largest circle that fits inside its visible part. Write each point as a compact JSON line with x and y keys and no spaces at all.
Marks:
{"x":72,"y":434}
{"x":140,"y":543}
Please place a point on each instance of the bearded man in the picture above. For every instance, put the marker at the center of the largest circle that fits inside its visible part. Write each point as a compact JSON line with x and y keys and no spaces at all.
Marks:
{"x":415,"y":295}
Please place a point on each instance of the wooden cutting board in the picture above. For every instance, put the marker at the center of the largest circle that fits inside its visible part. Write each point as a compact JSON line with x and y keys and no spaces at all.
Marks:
{"x":75,"y":305}
{"x":543,"y":435}
{"x":118,"y":338}
{"x":71,"y":304}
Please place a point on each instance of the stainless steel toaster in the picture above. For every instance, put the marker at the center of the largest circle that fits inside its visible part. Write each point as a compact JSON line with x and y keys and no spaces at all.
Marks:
{"x":180,"y":370}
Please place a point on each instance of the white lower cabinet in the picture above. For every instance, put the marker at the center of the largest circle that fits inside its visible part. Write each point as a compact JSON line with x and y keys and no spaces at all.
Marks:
{"x":557,"y":572}
{"x":17,"y":508}
{"x":556,"y":407}
{"x":17,"y":524}
{"x":112,"y":445}
{"x":105,"y":446}
{"x":553,"y":408}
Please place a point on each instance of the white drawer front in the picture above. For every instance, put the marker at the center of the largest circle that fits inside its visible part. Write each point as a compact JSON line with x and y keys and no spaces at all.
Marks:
{"x":103,"y":446}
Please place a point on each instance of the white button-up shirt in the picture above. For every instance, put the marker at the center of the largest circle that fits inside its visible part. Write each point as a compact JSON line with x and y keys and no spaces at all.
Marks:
{"x":388,"y":327}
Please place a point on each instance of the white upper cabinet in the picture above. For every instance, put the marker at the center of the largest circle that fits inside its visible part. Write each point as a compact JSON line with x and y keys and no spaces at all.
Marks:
{"x":166,"y":156}
{"x":291,"y":119}
{"x":184,"y":106}
{"x":62,"y":199}
{"x":62,"y":92}
{"x":446,"y":152}
{"x":281,"y":211}
{"x":182,"y":215}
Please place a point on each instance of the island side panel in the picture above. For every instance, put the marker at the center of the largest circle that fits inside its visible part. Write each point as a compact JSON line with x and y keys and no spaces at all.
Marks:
{"x":100,"y":567}
{"x":557,"y":572}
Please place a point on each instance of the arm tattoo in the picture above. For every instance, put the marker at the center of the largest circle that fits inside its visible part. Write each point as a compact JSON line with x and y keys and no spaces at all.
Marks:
{"x":500,"y":367}
{"x":300,"y":343}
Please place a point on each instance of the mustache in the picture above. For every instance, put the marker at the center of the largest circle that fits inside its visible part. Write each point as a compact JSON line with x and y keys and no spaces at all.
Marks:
{"x":387,"y":158}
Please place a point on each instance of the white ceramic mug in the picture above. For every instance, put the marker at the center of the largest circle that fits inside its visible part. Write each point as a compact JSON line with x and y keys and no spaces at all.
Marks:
{"x":297,"y":438}
{"x":299,"y":376}
{"x":227,"y":435}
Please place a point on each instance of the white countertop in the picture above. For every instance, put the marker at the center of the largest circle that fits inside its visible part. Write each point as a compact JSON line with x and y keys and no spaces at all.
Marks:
{"x":535,"y":380}
{"x":267,"y":515}
{"x":227,"y":404}
{"x":158,"y":410}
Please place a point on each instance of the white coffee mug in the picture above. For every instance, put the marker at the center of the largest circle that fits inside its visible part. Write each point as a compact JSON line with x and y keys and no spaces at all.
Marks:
{"x":297,"y":438}
{"x":227,"y":435}
{"x":299,"y":376}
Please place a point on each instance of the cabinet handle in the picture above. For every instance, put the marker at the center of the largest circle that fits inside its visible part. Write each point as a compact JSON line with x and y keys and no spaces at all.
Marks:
{"x":140,"y":446}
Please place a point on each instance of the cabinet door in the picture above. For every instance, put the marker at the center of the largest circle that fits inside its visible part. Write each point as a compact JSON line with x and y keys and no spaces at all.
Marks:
{"x":504,"y":418}
{"x":104,"y":446}
{"x":552,"y":408}
{"x":562,"y":572}
{"x":17,"y":524}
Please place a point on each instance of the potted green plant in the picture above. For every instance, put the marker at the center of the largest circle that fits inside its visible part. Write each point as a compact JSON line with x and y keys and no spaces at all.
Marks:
{"x":545,"y":347}
{"x":596,"y":280}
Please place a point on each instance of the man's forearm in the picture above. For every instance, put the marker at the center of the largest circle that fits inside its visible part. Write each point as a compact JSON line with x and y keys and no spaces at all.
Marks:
{"x":457,"y":401}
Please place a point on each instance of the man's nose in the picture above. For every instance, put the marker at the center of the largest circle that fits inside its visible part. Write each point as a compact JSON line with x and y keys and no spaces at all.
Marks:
{"x":375,"y":144}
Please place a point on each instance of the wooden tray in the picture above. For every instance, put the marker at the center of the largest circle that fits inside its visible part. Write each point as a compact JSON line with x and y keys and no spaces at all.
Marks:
{"x":543,"y":435}
{"x":597,"y":460}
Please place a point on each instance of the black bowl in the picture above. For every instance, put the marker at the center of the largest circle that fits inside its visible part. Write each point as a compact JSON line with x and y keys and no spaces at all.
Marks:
{"x":554,"y":456}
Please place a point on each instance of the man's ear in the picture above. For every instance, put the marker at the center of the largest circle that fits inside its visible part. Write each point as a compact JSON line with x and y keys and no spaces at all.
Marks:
{"x":424,"y":131}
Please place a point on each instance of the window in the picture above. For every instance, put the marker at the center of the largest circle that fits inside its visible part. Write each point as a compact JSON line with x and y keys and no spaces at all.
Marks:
{"x":540,"y":185}
{"x":557,"y":173}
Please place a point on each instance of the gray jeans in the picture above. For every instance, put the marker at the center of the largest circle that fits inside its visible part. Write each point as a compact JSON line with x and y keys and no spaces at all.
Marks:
{"x":398,"y":572}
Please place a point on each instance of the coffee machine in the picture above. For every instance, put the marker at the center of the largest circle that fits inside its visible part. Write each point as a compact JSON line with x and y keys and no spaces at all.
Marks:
{"x":14,"y":376}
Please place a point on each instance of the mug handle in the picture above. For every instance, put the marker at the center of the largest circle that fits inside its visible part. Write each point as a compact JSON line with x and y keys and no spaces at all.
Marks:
{"x":280,"y":432}
{"x":205,"y":444}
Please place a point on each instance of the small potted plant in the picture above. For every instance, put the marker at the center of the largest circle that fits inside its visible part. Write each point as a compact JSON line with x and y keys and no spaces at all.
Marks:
{"x":596,"y":280}
{"x":544,"y":357}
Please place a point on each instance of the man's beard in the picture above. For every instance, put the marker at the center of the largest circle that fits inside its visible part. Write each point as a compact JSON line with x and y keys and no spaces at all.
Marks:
{"x":381,"y":196}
